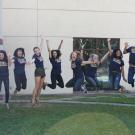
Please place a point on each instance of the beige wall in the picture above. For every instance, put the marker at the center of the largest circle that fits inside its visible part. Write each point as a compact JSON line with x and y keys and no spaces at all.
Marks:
{"x":24,"y":20}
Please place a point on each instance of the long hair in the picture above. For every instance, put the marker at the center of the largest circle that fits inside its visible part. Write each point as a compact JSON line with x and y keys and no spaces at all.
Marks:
{"x":19,"y":49}
{"x":78,"y":54}
{"x":58,"y":53}
{"x":5,"y":55}
{"x":114,"y":55}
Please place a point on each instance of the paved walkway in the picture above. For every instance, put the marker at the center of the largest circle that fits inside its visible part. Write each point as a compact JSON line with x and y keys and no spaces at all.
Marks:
{"x":70,"y":100}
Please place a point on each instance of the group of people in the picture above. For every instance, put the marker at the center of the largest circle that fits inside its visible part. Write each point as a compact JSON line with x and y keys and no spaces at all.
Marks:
{"x":116,"y":69}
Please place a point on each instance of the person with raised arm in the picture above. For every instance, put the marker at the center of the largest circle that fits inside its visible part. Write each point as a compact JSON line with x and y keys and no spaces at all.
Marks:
{"x":78,"y":76}
{"x":55,"y":60}
{"x":116,"y":68}
{"x":131,"y":71}
{"x":91,"y":70}
{"x":37,"y":59}
{"x":19,"y":61}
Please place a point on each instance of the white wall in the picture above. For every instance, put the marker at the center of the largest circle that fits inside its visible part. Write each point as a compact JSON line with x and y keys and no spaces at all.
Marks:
{"x":0,"y":19}
{"x":24,"y":20}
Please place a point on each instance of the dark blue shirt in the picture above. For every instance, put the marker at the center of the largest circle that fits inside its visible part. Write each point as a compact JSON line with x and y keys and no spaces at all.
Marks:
{"x":115,"y":65}
{"x":77,"y":69}
{"x":56,"y":65}
{"x":4,"y":72}
{"x":131,"y":50}
{"x":39,"y":62}
{"x":19,"y":63}
{"x":91,"y":70}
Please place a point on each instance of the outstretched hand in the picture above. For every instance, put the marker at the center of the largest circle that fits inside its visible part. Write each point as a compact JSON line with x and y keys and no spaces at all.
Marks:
{"x":47,"y":41}
{"x":125,"y":79}
{"x":61,"y":41}
{"x":126,"y":44}
{"x":41,"y":36}
{"x":109,"y":40}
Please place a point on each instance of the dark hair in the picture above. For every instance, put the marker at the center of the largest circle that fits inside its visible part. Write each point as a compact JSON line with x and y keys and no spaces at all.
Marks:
{"x":78,"y":54}
{"x":19,"y":49}
{"x":5,"y":55}
{"x":58,"y":53}
{"x":35,"y":48}
{"x":114,"y":55}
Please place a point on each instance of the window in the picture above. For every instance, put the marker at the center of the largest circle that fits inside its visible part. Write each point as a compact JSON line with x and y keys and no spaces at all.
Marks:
{"x":96,"y":46}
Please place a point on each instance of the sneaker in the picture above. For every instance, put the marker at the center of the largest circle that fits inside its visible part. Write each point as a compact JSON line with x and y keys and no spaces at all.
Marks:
{"x":7,"y":106}
{"x":37,"y":100}
{"x":44,"y":86}
{"x":83,"y":87}
{"x":133,"y":85}
{"x":122,"y":90}
{"x":15,"y":92}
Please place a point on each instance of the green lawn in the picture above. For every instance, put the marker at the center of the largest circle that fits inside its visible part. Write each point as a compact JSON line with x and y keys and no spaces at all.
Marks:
{"x":67,"y":119}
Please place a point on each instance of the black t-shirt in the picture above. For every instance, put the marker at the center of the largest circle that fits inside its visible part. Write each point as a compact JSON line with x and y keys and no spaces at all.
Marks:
{"x":19,"y":63}
{"x":131,"y":50}
{"x":115,"y":65}
{"x":91,"y":70}
{"x":4,"y":72}
{"x":39,"y":62}
{"x":77,"y":69}
{"x":56,"y":65}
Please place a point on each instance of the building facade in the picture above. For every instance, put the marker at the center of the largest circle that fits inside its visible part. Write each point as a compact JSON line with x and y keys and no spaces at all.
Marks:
{"x":25,"y":20}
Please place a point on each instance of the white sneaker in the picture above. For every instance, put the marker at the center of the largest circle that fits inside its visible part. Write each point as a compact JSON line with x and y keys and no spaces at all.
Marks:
{"x":7,"y":106}
{"x":83,"y":87}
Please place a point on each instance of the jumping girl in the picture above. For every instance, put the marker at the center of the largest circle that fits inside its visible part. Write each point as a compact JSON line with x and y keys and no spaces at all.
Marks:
{"x":91,"y":69}
{"x":19,"y":69}
{"x":78,"y":76}
{"x":39,"y":73}
{"x":131,"y":71}
{"x":55,"y":60}
{"x":116,"y":68}
{"x":4,"y":75}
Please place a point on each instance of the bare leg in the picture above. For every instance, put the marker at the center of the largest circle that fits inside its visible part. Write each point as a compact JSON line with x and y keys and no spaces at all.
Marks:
{"x":39,"y":90}
{"x":37,"y":86}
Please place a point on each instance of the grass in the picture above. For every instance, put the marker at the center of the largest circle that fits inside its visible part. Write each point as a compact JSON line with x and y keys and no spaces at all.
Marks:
{"x":90,"y":123}
{"x":44,"y":120}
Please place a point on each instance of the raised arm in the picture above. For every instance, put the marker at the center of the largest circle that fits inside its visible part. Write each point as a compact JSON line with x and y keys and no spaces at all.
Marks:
{"x":123,"y":74}
{"x":60,"y":45}
{"x":10,"y":60}
{"x":81,"y":54}
{"x":109,"y":46}
{"x":104,"y":57}
{"x":87,"y":62}
{"x":48,"y":47}
{"x":41,"y":42}
{"x":125,"y":49}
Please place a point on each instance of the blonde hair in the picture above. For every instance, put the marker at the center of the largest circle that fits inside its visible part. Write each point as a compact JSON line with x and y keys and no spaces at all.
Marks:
{"x":78,"y":54}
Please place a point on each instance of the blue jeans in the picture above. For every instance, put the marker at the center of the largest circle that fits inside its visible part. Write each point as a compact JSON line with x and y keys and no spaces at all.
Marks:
{"x":5,"y":80}
{"x":131,"y":73}
{"x":114,"y":79}
{"x":75,"y":83}
{"x":92,"y":81}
